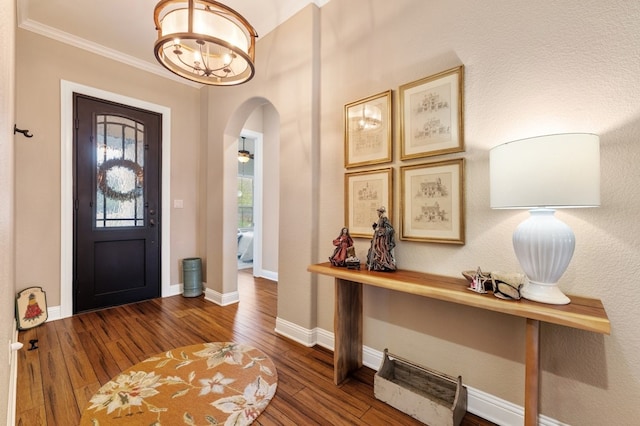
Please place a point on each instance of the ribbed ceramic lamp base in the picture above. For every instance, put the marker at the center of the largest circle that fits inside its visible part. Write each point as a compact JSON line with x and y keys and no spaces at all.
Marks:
{"x":544,"y":246}
{"x":545,"y":293}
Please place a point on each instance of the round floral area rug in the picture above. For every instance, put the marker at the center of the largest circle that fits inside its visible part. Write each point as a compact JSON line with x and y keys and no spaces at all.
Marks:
{"x":204,"y":384}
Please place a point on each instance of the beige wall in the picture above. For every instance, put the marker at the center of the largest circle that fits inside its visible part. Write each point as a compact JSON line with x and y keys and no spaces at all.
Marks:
{"x":38,"y":177}
{"x":271,"y":190}
{"x":7,"y":233}
{"x":255,"y":120}
{"x":532,"y":68}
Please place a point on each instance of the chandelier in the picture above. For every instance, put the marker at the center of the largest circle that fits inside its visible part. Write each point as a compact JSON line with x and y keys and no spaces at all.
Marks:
{"x":204,"y":41}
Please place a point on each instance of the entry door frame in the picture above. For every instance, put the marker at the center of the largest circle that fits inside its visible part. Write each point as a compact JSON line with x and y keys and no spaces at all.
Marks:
{"x":67,"y":89}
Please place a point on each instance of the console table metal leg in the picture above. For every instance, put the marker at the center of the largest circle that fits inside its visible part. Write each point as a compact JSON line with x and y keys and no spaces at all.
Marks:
{"x":347,"y":323}
{"x":532,"y":373}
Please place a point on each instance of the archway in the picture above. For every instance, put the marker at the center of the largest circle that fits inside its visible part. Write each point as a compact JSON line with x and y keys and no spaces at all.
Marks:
{"x":260,"y":116}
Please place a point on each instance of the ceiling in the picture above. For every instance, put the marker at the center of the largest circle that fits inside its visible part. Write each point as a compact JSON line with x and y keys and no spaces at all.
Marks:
{"x":124,"y":29}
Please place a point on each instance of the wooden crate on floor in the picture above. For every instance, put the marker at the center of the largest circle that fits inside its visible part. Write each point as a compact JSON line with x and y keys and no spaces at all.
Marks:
{"x":428,"y":396}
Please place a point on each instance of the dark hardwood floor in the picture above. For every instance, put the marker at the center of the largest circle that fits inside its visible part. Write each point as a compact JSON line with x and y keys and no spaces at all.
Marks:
{"x":77,"y":355}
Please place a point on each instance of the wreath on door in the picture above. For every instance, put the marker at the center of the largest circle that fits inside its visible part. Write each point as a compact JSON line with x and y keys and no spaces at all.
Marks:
{"x":109,"y":192}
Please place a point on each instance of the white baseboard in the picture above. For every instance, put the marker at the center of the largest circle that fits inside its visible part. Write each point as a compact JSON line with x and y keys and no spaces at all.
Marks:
{"x":494,"y":409}
{"x":13,"y":379}
{"x":295,"y":332}
{"x":324,"y":338}
{"x":175,"y":289}
{"x":482,"y":404}
{"x":54,"y":313}
{"x":269,"y":275}
{"x":220,"y":298}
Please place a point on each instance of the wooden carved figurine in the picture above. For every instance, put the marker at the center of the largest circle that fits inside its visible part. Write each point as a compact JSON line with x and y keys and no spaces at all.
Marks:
{"x":380,"y":256}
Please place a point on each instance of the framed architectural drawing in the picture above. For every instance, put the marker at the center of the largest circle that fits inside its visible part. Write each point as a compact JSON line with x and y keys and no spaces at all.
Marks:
{"x":431,"y":115}
{"x":432,"y":202}
{"x":365,"y":192}
{"x":367,"y":131}
{"x":31,"y":308}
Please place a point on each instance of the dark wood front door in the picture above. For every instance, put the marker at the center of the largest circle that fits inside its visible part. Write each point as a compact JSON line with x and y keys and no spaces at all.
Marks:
{"x":117,"y":204}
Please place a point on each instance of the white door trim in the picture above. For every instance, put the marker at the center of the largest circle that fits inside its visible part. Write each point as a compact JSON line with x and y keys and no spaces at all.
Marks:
{"x":67,"y":89}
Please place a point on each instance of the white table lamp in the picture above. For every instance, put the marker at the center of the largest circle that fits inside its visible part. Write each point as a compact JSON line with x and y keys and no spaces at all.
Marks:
{"x":542,"y":174}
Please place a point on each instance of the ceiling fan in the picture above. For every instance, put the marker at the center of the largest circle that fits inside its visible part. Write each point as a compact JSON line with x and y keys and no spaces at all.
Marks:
{"x":243,"y":155}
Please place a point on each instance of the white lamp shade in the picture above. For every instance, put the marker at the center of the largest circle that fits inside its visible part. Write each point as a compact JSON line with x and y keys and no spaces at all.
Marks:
{"x":553,"y":171}
{"x":207,"y":24}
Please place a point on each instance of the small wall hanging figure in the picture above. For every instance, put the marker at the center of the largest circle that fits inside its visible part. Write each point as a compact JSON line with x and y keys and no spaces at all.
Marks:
{"x":380,"y":256}
{"x":31,"y":308}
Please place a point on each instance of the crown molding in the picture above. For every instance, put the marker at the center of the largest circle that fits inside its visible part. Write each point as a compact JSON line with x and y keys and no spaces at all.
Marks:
{"x":98,"y":49}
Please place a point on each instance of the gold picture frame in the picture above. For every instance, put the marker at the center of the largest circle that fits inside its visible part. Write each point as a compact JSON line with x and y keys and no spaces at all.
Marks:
{"x":365,"y":192}
{"x":432,"y":115}
{"x":432,"y":202}
{"x":368,"y":130}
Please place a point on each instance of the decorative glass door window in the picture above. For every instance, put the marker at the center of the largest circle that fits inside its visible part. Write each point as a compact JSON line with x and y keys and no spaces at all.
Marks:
{"x":120,"y":191}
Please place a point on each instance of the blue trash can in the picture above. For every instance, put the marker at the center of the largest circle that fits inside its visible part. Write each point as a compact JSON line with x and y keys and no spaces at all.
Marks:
{"x":192,"y":277}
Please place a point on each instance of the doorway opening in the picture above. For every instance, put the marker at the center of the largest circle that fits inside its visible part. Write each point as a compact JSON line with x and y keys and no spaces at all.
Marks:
{"x":246,"y":180}
{"x":249,"y":215}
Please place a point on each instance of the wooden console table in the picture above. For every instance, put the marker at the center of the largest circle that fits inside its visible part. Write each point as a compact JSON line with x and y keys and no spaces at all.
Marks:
{"x":582,"y":313}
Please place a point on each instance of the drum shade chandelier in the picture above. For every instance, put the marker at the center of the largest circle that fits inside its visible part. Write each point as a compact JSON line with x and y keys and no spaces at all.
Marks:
{"x":204,"y":41}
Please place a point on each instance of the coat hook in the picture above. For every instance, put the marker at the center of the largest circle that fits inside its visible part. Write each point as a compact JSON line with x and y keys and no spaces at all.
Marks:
{"x":24,"y":132}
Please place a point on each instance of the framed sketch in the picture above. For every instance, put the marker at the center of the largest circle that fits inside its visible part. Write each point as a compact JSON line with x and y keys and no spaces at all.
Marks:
{"x":31,"y":308}
{"x":365,"y":192}
{"x":431,"y":115}
{"x":432,"y":202}
{"x":367,"y":131}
